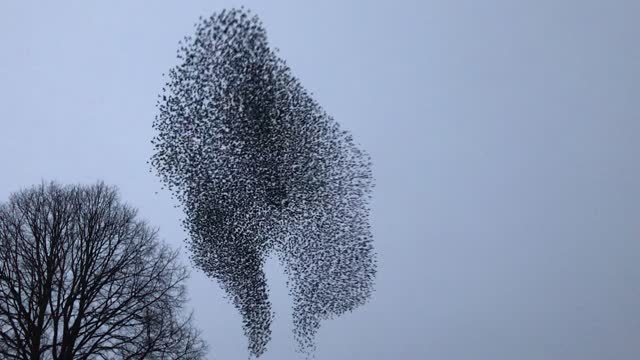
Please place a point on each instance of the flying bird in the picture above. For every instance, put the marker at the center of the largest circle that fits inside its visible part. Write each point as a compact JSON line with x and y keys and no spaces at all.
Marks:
{"x":260,"y":168}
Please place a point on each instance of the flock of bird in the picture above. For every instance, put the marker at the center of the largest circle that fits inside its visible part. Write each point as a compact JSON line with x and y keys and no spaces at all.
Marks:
{"x":260,"y":168}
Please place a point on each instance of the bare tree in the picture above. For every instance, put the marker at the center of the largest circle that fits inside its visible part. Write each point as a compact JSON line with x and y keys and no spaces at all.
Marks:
{"x":82,"y":278}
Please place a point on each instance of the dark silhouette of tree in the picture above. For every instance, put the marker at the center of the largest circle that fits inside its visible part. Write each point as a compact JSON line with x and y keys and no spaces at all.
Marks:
{"x":82,"y":278}
{"x":260,"y":167}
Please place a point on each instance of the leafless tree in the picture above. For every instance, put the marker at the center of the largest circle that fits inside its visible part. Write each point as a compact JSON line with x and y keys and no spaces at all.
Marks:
{"x":82,"y":278}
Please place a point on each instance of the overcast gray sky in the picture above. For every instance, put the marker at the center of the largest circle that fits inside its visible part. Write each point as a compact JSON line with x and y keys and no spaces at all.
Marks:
{"x":505,"y":138}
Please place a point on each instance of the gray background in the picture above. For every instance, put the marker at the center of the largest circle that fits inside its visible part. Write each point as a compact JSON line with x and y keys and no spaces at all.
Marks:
{"x":505,"y":143}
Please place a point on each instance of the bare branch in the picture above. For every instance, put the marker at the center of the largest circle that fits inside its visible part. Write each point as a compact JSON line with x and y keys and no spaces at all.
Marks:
{"x":82,"y":278}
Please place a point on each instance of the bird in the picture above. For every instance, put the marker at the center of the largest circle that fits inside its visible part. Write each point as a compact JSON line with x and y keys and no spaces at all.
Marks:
{"x":260,"y":168}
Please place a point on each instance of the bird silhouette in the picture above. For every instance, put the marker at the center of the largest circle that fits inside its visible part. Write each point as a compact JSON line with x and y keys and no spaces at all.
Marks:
{"x":259,"y":168}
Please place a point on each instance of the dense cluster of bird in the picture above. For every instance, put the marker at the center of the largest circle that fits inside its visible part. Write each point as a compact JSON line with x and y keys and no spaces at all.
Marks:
{"x":259,"y":167}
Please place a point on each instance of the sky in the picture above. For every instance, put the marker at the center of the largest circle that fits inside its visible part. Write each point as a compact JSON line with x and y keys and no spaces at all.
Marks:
{"x":504,"y":135}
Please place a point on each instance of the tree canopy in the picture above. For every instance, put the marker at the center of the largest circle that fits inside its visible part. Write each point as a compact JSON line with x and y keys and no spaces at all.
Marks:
{"x":81,"y":277}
